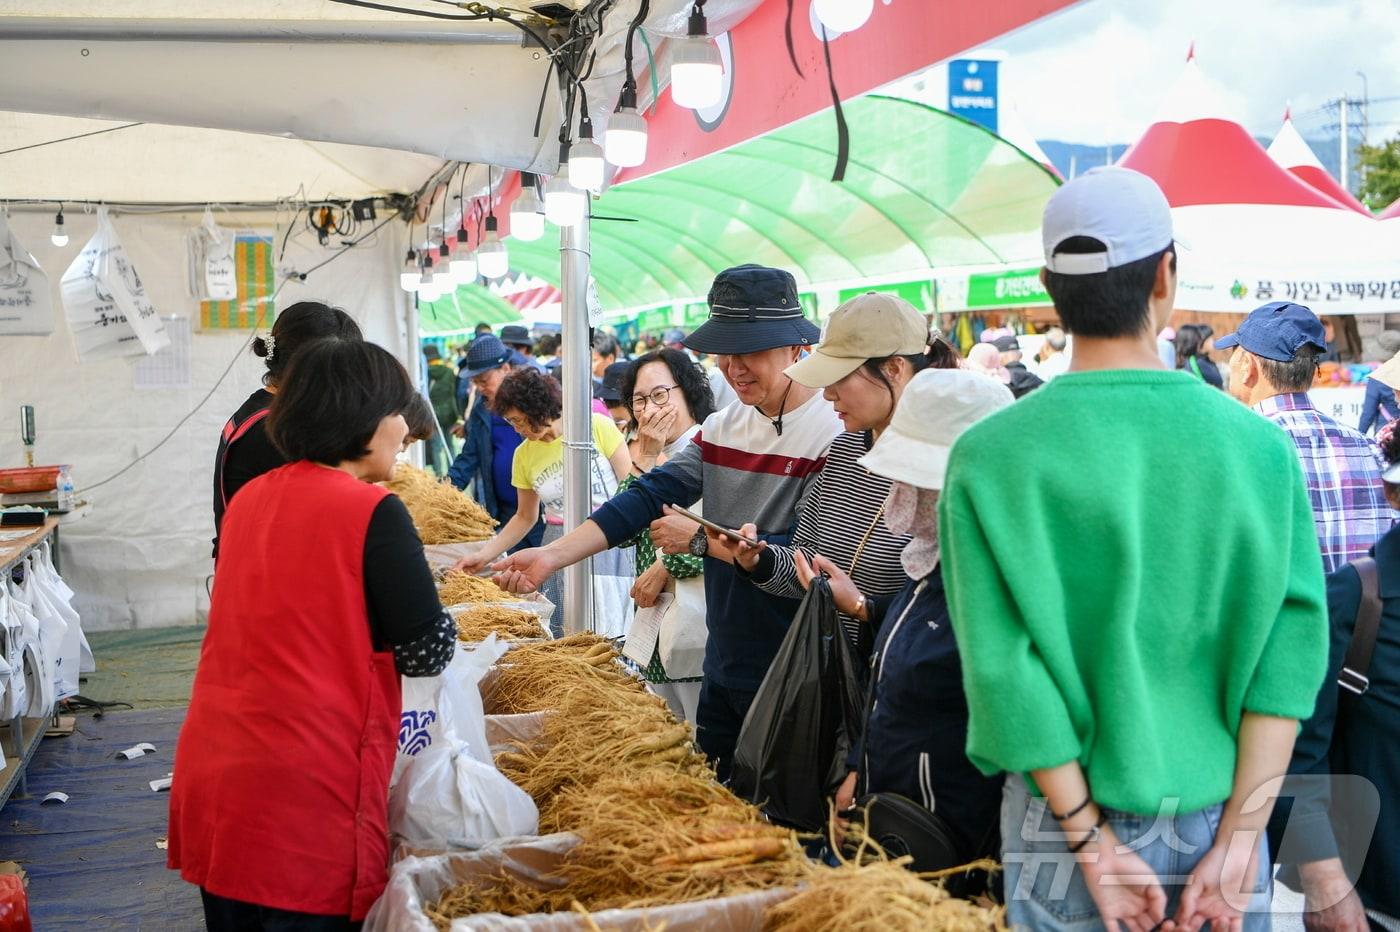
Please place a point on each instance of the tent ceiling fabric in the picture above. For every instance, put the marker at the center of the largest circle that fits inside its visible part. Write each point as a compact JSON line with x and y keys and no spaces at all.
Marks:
{"x":311,"y":70}
{"x":951,"y":194}
{"x":192,"y":165}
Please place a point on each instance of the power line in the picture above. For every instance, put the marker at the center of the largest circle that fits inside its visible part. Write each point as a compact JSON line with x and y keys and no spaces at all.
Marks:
{"x":54,"y":142}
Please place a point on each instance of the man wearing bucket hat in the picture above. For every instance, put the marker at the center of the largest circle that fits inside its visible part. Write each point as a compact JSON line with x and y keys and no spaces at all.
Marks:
{"x":752,"y":462}
{"x":489,"y":449}
{"x":1277,"y":349}
{"x":1141,"y":621}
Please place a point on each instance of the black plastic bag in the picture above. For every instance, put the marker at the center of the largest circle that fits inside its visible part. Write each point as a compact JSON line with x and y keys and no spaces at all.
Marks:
{"x":791,"y":754}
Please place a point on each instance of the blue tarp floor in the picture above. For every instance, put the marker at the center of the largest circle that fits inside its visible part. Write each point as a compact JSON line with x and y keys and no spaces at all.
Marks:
{"x":94,"y":862}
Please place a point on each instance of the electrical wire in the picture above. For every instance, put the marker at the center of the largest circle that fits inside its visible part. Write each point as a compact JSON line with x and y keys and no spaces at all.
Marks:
{"x":54,"y":142}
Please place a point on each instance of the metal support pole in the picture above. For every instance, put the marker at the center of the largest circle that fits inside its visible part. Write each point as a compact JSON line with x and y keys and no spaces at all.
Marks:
{"x":578,"y":430}
{"x":1344,"y":134}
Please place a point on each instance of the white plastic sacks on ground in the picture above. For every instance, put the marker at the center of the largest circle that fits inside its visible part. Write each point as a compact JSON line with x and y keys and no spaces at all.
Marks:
{"x":446,"y":792}
{"x":416,"y":882}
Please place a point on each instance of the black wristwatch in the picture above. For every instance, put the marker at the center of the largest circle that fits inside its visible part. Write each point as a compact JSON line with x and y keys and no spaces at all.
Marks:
{"x":699,"y":544}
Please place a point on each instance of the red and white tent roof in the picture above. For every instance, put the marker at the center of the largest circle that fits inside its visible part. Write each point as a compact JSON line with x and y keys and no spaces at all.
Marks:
{"x":1293,"y":153}
{"x":1249,"y":230}
{"x":1390,"y":213}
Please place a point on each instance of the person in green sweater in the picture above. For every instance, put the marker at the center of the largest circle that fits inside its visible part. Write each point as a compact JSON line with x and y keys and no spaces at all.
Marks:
{"x":1142,"y":621}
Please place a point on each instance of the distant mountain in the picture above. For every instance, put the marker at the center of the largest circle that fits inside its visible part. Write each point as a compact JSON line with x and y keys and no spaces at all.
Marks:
{"x":1070,"y":158}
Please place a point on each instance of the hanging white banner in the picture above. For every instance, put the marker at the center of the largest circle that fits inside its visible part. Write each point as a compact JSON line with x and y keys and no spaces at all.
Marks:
{"x":106,"y":304}
{"x":25,"y":305}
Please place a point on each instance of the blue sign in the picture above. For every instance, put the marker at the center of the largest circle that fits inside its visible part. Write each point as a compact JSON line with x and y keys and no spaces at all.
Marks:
{"x":972,"y":91}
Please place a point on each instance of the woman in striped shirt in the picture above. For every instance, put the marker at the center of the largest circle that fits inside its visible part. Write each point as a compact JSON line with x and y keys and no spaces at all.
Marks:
{"x":873,"y":345}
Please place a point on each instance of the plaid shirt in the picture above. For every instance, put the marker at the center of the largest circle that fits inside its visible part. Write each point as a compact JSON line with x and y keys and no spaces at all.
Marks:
{"x":1343,"y":472}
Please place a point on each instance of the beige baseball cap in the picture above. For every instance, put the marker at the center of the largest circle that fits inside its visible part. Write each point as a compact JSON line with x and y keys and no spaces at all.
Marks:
{"x":869,"y":326}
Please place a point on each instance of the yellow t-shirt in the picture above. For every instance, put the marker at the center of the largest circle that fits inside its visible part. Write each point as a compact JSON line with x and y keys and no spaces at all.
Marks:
{"x":540,"y":466}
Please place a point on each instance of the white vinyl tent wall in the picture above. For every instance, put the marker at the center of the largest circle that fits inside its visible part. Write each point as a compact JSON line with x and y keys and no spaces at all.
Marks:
{"x":141,"y":557}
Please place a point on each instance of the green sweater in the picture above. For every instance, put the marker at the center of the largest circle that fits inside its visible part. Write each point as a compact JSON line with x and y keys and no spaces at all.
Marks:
{"x":1131,"y":564}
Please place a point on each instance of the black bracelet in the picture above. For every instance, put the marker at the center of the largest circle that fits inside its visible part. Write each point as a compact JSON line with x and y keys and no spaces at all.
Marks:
{"x":1073,"y":812}
{"x":1093,"y":835}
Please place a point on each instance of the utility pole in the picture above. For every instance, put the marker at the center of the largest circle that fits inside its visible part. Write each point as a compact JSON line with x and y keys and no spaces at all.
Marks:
{"x":1345,"y":169}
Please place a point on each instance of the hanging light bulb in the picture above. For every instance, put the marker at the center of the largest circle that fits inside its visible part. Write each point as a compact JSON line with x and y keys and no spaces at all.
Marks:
{"x":586,"y":158}
{"x":625,"y":142}
{"x":526,"y":212}
{"x":564,"y":204}
{"x":408,"y":278}
{"x":59,"y":237}
{"x":463,"y":264}
{"x":697,"y":75}
{"x":428,"y":289}
{"x":843,"y":15}
{"x":492,"y":257}
{"x":463,"y":267}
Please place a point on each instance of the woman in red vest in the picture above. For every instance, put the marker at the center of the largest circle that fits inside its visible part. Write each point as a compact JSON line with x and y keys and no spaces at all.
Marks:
{"x":279,"y":807}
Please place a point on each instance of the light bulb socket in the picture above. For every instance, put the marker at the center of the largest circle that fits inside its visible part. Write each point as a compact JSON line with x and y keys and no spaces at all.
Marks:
{"x":491,"y":225}
{"x":699,"y":27}
{"x":58,"y":218}
{"x":427,"y":261}
{"x":628,"y":98}
{"x":585,"y":127}
{"x":443,"y":251}
{"x":463,"y":237}
{"x":411,"y":258}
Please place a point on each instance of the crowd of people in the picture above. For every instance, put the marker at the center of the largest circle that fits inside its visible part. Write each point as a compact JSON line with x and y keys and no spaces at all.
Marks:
{"x":1105,"y":605}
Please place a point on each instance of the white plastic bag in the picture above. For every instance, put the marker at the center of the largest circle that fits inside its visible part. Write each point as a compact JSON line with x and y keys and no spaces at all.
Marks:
{"x":446,"y":789}
{"x":106,"y":304}
{"x":12,"y":696}
{"x":32,"y":675}
{"x":449,"y":704}
{"x":446,"y":798}
{"x":25,"y":305}
{"x":56,"y":614}
{"x":213,"y":274}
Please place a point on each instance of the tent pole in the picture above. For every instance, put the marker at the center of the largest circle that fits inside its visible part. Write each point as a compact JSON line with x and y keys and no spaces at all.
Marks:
{"x":578,"y":402}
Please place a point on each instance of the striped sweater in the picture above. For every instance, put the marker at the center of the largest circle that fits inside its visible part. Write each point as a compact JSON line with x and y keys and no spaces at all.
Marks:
{"x":746,"y":472}
{"x":847,"y":501}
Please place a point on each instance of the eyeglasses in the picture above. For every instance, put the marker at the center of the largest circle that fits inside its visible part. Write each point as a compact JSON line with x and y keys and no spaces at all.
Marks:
{"x":657,"y":396}
{"x":518,"y":422}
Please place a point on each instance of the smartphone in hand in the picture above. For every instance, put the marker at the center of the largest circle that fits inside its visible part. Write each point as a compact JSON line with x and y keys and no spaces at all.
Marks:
{"x":717,"y":528}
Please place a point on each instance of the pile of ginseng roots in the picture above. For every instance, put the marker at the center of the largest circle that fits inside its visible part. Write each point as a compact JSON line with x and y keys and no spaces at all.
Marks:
{"x":441,"y":513}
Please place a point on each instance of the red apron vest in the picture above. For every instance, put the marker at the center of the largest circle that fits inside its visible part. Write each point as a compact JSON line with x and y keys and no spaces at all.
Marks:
{"x":282,"y":769}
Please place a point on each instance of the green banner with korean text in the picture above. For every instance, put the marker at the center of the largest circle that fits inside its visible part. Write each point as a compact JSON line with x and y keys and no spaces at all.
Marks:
{"x":1013,"y":288}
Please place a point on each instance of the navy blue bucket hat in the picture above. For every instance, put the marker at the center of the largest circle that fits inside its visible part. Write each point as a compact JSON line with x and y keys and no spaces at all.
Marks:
{"x":485,"y":354}
{"x":753,"y":308}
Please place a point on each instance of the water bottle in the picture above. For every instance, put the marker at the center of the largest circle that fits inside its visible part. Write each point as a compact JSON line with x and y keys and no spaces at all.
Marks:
{"x":65,"y":490}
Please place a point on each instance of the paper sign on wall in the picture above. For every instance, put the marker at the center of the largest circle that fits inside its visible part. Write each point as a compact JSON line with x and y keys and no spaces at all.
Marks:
{"x":25,"y":306}
{"x":106,"y":304}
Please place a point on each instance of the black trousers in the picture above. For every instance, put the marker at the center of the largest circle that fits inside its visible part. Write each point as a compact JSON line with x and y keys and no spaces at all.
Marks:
{"x":718,"y":719}
{"x":225,"y":915}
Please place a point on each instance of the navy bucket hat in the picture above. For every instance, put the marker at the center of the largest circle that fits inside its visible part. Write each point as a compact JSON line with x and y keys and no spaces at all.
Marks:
{"x":753,"y":308}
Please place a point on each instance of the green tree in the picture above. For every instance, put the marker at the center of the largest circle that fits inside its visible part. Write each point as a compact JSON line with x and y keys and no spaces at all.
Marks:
{"x":1380,"y":173}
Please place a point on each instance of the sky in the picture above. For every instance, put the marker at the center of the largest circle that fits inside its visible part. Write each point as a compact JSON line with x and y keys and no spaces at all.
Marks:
{"x":1096,"y":72}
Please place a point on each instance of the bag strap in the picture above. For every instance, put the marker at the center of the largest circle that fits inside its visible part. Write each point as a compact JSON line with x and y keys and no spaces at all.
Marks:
{"x":231,"y":437}
{"x":1357,"y":664}
{"x":1196,"y":368}
{"x":860,"y":548}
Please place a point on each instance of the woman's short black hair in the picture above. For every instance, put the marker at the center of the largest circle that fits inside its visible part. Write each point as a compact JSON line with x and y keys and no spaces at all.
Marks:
{"x":537,"y":397}
{"x":303,"y":323}
{"x":332,"y":398}
{"x":690,"y":377}
{"x":422,"y":423}
{"x":1104,"y":304}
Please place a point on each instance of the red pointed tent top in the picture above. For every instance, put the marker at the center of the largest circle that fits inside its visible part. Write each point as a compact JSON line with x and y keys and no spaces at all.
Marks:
{"x":1293,"y":153}
{"x":1392,"y":212}
{"x":1199,"y":156}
